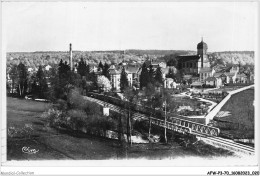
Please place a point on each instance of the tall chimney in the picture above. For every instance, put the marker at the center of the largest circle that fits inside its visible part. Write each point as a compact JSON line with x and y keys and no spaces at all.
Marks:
{"x":71,"y":64}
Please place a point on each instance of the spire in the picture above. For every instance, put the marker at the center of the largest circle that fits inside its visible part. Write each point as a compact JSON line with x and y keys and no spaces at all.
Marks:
{"x":201,"y":38}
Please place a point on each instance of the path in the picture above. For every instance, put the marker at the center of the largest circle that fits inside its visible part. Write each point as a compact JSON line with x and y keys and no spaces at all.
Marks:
{"x":213,"y":104}
{"x":217,"y":108}
{"x":214,"y":108}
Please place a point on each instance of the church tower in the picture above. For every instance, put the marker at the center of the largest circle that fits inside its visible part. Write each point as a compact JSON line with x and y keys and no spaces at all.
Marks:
{"x":202,"y":48}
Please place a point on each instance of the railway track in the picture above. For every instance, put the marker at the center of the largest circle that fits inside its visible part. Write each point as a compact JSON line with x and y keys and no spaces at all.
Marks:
{"x":213,"y":140}
{"x":227,"y":144}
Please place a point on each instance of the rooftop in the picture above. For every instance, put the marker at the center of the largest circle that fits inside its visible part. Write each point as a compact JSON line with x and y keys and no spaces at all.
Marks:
{"x":205,"y":70}
{"x":184,"y":58}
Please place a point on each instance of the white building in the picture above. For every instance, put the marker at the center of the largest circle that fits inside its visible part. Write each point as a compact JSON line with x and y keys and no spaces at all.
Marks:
{"x":115,"y":75}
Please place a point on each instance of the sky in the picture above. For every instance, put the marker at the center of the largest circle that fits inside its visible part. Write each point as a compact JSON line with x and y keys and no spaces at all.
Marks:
{"x":51,"y":26}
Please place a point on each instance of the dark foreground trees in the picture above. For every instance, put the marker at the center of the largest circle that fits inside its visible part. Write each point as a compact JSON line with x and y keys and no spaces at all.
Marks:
{"x":22,"y":82}
{"x":41,"y":86}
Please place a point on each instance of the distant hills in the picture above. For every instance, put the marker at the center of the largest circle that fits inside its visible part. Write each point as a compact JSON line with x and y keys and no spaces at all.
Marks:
{"x":34,"y":59}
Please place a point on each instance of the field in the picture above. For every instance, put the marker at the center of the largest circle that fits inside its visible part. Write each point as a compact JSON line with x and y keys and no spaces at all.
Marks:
{"x":240,"y":122}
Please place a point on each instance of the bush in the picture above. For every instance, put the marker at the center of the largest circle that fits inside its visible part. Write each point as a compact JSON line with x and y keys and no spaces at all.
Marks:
{"x":92,"y":108}
{"x":77,"y":119}
{"x":55,"y":118}
{"x":61,"y":105}
{"x":79,"y":114}
{"x":24,"y":132}
{"x":75,"y":99}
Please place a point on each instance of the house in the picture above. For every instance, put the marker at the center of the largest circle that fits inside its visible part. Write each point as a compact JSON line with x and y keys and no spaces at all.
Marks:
{"x":133,"y":73}
{"x":115,"y":75}
{"x":213,"y":81}
{"x":241,"y":78}
{"x":205,"y":73}
{"x":30,"y":69}
{"x":48,"y":67}
{"x":155,"y":64}
{"x":168,"y":83}
{"x":196,"y":84}
{"x":252,"y":78}
{"x":231,"y":73}
{"x":220,"y":79}
{"x":93,"y":68}
{"x":165,"y":71}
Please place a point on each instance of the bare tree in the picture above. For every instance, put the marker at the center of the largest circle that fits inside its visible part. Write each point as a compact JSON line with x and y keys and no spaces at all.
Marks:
{"x":131,"y":99}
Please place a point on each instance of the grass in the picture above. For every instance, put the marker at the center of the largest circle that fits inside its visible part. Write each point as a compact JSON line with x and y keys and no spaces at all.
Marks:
{"x":241,"y":120}
{"x":67,"y":145}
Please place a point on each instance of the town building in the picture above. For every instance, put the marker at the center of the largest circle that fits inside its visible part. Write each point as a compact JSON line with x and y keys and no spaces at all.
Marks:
{"x":192,"y":64}
{"x":115,"y":75}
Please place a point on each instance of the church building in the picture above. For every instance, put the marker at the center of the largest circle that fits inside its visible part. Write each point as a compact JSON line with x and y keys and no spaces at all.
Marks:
{"x":195,"y":67}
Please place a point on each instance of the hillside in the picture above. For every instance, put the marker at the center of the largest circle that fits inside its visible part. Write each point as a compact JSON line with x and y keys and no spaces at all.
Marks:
{"x":34,"y":59}
{"x":232,"y":57}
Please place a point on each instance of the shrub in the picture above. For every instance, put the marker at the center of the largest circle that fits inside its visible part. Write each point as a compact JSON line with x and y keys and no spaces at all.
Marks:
{"x":53,"y":117}
{"x":76,"y":119}
{"x":92,"y":108}
{"x":24,"y":132}
{"x":102,"y":122}
{"x":61,"y":105}
{"x":75,"y":99}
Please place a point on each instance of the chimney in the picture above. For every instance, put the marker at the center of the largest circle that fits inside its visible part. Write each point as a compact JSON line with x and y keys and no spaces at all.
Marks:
{"x":71,"y":64}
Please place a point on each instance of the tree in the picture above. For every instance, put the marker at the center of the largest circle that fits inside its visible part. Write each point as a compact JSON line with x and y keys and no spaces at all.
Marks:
{"x":131,"y":99}
{"x":179,"y":76}
{"x":100,"y":66}
{"x":66,"y":68}
{"x":158,"y":75}
{"x":170,"y":74}
{"x":13,"y":76}
{"x":143,"y":76}
{"x":42,"y":85}
{"x":22,"y":79}
{"x":56,"y":90}
{"x":123,"y":80}
{"x":61,"y":68}
{"x":167,"y":104}
{"x":87,"y":70}
{"x":103,"y":83}
{"x":105,"y":70}
{"x":150,"y":95}
{"x":82,"y":68}
{"x":34,"y":89}
{"x":151,"y":75}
